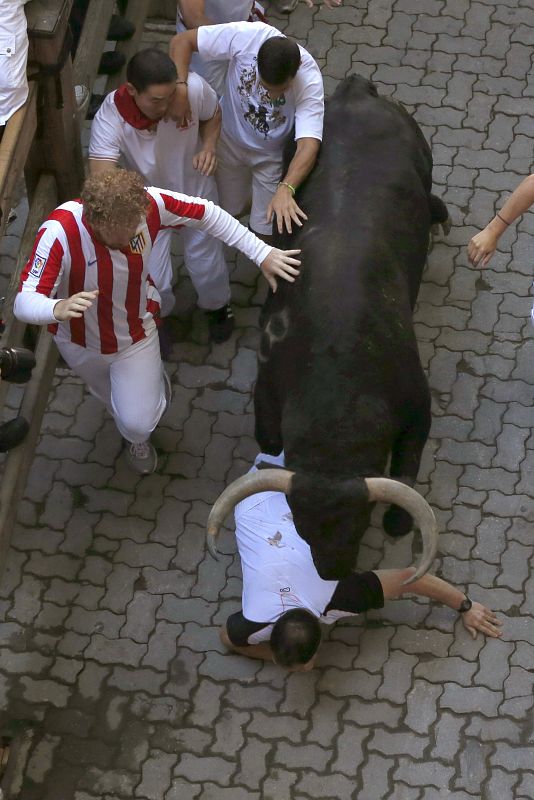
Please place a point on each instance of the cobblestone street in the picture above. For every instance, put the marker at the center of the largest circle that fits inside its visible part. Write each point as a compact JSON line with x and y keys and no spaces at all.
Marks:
{"x":109,"y":647}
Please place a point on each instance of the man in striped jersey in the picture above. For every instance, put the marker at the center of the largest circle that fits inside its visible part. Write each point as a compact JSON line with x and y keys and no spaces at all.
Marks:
{"x":87,"y":277}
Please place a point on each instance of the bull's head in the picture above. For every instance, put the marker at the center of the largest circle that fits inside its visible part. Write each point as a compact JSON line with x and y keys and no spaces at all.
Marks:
{"x":379,"y":490}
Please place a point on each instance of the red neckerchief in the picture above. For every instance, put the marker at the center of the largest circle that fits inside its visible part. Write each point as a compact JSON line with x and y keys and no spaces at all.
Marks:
{"x":129,"y":111}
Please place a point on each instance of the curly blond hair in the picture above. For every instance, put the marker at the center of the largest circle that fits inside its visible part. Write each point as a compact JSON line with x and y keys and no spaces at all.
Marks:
{"x":117,"y":197}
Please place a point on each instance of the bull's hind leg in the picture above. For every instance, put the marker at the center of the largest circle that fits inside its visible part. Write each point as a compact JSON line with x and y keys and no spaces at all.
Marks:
{"x":405,"y":459}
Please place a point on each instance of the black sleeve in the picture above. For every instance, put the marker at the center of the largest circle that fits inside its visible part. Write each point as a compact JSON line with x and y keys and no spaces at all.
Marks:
{"x":239,"y":629}
{"x":357,"y":593}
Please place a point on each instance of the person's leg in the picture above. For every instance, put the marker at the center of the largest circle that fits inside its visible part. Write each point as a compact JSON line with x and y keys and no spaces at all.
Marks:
{"x":205,"y":262}
{"x":91,"y":366}
{"x":233,"y":178}
{"x":160,"y":269}
{"x":137,"y":389}
{"x":266,"y":175}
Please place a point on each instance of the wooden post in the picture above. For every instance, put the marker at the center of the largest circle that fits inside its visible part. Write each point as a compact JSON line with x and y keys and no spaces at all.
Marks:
{"x":136,"y":12}
{"x":59,"y":132}
{"x":91,"y":44}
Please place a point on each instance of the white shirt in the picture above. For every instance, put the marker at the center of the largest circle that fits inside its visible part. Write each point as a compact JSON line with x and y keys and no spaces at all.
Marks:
{"x":67,"y":258}
{"x":278,"y":569}
{"x":250,"y":118}
{"x":164,"y":156}
{"x":13,"y":58}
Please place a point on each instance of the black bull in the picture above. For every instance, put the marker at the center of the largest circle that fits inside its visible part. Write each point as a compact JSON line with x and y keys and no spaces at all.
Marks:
{"x":340,"y":385}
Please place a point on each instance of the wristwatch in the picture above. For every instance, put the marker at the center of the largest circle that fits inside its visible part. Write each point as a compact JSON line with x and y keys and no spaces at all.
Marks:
{"x":465,"y":605}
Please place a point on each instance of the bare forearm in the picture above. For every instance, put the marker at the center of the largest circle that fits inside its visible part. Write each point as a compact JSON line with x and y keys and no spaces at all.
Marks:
{"x":262,"y":651}
{"x":302,"y":162}
{"x":210,"y":130}
{"x":181,"y":48}
{"x":193,"y":13}
{"x":392,"y":581}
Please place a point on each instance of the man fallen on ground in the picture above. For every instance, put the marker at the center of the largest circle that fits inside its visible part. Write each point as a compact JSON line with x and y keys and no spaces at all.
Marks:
{"x":129,"y":126}
{"x":284,"y":600}
{"x":272,"y":84}
{"x":88,"y":277}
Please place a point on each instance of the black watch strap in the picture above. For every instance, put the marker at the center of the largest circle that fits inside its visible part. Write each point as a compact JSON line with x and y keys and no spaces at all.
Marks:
{"x":465,"y":605}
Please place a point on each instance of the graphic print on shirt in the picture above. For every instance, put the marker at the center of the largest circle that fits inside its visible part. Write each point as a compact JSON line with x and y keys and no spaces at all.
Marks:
{"x":137,"y":244}
{"x":263,"y":115}
{"x":39,"y":263}
{"x":275,"y":541}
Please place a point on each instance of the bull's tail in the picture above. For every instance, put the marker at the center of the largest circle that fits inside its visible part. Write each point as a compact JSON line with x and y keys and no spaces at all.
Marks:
{"x":439,"y":214}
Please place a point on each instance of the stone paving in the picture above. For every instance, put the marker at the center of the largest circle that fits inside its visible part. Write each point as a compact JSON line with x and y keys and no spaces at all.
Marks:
{"x":110,"y":605}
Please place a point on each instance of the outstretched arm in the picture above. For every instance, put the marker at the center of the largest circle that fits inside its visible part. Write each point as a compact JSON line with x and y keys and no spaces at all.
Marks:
{"x":482,"y":246}
{"x":478,"y":618}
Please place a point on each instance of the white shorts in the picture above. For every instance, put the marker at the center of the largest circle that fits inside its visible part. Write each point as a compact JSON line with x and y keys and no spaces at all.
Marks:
{"x":247,"y":179}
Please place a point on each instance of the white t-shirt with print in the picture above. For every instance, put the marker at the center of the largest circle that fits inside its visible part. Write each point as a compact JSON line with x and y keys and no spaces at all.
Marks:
{"x":163,"y":155}
{"x":250,"y":118}
{"x":277,"y":565}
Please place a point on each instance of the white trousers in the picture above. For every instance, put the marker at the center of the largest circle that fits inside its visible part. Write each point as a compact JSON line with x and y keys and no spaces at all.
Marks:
{"x":204,"y":261}
{"x":129,"y":383}
{"x":247,"y":179}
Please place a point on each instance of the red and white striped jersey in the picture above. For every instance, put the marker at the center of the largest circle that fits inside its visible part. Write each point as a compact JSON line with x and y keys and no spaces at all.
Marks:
{"x":68,"y":258}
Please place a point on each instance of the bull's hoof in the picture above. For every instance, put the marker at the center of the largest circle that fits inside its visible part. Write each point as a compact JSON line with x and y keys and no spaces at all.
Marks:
{"x":397,"y":521}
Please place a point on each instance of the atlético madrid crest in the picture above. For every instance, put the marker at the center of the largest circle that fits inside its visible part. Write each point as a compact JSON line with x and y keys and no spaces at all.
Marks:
{"x":137,"y":244}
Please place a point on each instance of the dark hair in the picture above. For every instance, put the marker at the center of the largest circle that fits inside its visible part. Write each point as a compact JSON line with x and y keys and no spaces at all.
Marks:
{"x":295,"y":637}
{"x":149,"y":67}
{"x":278,"y":60}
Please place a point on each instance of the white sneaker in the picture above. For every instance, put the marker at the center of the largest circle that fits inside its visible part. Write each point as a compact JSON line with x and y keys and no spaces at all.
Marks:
{"x":82,"y":95}
{"x":141,"y":457}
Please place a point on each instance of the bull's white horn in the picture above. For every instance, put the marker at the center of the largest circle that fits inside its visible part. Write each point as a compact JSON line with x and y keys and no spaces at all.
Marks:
{"x":387,"y":490}
{"x":264,"y":480}
{"x":384,"y":490}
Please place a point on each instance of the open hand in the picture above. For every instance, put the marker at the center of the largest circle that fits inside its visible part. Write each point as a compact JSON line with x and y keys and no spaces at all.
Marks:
{"x":205,"y":161}
{"x":280,"y":263}
{"x":286,"y":210}
{"x":481,"y":247}
{"x":480,"y":618}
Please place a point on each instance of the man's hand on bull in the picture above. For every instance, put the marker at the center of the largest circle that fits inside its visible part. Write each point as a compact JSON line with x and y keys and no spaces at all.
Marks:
{"x":75,"y":306}
{"x":205,"y":161}
{"x":480,"y":618}
{"x":286,"y":210}
{"x":281,"y":264}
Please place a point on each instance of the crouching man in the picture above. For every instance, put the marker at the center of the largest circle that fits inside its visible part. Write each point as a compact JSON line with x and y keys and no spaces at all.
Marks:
{"x":285,"y":600}
{"x":88,"y":278}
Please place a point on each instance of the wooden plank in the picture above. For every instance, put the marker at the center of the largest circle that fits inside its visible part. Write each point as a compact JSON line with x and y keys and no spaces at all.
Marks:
{"x":91,"y":44}
{"x":14,"y":149}
{"x":36,"y":391}
{"x":61,"y":143}
{"x":136,"y":12}
{"x":45,"y":16}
